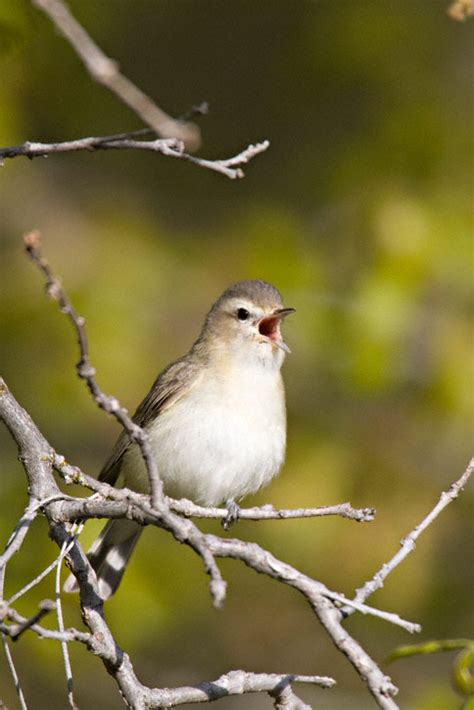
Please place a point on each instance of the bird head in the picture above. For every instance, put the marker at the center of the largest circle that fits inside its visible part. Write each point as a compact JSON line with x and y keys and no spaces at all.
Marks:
{"x":245,"y":323}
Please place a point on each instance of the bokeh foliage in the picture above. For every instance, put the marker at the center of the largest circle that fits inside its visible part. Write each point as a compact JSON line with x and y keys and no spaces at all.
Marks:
{"x":360,"y":213}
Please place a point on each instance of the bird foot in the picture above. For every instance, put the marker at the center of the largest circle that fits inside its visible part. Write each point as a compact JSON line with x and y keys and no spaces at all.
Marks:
{"x":233,"y":514}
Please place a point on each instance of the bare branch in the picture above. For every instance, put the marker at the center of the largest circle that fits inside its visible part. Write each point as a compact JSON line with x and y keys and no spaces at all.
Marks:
{"x":106,"y":72}
{"x":103,"y":644}
{"x":170,"y":147}
{"x":232,"y":683}
{"x":34,"y":581}
{"x":264,"y":562}
{"x":69,"y":635}
{"x":66,"y":546}
{"x":285,"y":699}
{"x":18,"y":535}
{"x":120,"y":503}
{"x":49,"y":568}
{"x":268,"y":512}
{"x":74,"y":475}
{"x":240,"y":682}
{"x":34,"y":149}
{"x":87,"y":373}
{"x":407,"y":545}
{"x":134,"y":506}
{"x":224,"y":166}
{"x":13,"y":673}
{"x":44,"y":608}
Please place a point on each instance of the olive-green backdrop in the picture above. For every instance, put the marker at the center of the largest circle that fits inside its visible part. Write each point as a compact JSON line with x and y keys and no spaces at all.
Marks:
{"x":360,"y":213}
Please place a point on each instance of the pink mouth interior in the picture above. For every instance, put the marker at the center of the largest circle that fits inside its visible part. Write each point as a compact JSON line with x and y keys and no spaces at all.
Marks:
{"x":269,"y":328}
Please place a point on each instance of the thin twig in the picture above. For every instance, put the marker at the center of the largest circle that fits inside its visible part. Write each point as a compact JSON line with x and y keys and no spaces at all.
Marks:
{"x":33,"y":149}
{"x":19,"y":533}
{"x":74,"y":475}
{"x":268,"y":512}
{"x":38,"y":578}
{"x":285,"y":698}
{"x":238,"y":683}
{"x":44,"y":608}
{"x":170,"y":147}
{"x":59,"y":613}
{"x":87,"y":373}
{"x":389,"y":616}
{"x":68,"y":635}
{"x":226,"y":167}
{"x":14,"y":674}
{"x":407,"y":545}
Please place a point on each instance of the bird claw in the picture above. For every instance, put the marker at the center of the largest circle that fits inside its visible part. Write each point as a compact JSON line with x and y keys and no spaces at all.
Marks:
{"x":233,"y":514}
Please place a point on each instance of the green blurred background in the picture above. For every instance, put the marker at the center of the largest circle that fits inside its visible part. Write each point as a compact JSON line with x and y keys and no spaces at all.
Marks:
{"x":360,"y":213}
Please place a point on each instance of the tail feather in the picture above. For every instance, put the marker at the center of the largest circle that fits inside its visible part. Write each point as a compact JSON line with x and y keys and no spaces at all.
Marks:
{"x":109,"y":555}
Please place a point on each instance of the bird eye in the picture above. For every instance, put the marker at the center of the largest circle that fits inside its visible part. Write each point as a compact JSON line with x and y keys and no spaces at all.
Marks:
{"x":242,"y":314}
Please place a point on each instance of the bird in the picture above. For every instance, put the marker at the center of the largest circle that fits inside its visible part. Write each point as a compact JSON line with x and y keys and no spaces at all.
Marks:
{"x":216,"y":421}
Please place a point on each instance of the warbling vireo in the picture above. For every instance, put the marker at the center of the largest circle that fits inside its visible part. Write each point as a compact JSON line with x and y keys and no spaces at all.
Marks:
{"x":216,"y":420}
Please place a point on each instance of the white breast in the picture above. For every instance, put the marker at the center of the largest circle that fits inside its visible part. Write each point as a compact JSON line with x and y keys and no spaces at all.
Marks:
{"x":225,"y":439}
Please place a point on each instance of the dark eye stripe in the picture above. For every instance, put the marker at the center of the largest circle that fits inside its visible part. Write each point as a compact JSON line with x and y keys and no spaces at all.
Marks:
{"x":242,"y":314}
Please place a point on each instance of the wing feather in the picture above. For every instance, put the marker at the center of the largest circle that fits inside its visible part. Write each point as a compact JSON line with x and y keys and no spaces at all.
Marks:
{"x":168,"y":388}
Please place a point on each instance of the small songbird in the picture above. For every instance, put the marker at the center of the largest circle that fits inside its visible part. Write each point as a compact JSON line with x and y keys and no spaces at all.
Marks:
{"x":216,"y":420}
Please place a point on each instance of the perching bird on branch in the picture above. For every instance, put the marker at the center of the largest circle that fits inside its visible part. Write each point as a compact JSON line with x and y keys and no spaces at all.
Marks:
{"x":215,"y":417}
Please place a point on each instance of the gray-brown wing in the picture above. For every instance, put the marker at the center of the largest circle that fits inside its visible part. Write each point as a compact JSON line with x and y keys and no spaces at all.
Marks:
{"x":167,"y":389}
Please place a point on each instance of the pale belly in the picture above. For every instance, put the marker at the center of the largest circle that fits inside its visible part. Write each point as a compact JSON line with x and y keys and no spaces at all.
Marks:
{"x":216,"y":444}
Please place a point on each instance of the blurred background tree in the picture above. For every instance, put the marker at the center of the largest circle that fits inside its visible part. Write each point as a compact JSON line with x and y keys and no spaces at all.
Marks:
{"x":360,"y":213}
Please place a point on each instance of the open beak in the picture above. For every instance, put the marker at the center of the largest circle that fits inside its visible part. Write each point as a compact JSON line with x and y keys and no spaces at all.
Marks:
{"x":269,"y":327}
